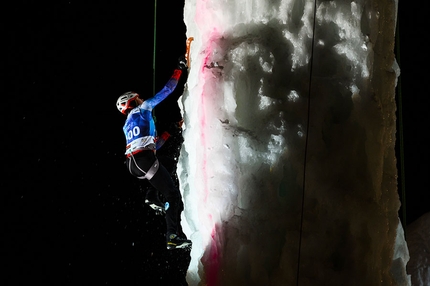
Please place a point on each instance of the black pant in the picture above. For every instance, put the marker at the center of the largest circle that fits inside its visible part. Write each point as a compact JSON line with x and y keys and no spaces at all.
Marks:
{"x":140,"y":163}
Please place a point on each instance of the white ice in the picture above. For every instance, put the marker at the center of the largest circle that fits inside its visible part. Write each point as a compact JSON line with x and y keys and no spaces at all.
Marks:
{"x":288,"y":169}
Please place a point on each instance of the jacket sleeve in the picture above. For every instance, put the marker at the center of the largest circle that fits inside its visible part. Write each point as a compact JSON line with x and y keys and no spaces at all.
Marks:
{"x":164,"y":92}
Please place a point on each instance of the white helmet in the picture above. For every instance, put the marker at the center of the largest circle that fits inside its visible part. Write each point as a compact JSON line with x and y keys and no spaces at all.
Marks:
{"x":123,"y":102}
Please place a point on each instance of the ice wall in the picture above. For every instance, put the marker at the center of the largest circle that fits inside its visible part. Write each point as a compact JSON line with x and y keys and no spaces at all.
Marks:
{"x":288,"y":168}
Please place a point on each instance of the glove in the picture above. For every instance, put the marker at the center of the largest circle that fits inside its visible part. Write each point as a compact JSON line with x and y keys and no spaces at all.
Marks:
{"x":161,"y":140}
{"x":173,"y":129}
{"x":182,"y":63}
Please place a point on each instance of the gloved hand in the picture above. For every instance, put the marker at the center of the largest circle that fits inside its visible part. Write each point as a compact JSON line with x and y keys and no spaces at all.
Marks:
{"x":182,"y":63}
{"x":173,"y":128}
{"x":161,"y":140}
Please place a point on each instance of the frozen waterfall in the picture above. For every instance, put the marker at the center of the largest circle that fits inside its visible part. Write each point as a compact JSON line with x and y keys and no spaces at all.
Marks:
{"x":288,"y":168}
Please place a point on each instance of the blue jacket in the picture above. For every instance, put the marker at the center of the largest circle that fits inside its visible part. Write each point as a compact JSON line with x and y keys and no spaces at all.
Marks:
{"x":139,"y":128}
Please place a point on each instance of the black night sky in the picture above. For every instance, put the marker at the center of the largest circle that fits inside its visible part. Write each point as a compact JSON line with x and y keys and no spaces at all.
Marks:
{"x":71,"y":214}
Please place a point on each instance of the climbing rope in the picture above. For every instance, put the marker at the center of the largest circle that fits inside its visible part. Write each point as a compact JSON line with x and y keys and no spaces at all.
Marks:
{"x":155,"y":44}
{"x":154,"y":55}
{"x":306,"y":143}
{"x":400,"y":132}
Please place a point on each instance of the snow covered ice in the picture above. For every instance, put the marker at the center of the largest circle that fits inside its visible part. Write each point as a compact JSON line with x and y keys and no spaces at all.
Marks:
{"x":288,"y":168}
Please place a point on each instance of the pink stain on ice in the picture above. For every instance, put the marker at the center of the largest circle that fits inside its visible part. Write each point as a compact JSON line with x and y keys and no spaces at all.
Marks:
{"x":212,"y":258}
{"x":206,"y":78}
{"x":203,"y":18}
{"x":212,"y":253}
{"x":203,"y":140}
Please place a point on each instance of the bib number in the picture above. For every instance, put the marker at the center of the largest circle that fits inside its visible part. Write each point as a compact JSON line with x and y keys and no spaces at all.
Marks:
{"x":133,"y":133}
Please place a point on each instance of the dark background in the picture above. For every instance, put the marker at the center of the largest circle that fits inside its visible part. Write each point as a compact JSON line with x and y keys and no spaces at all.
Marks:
{"x":70,"y":212}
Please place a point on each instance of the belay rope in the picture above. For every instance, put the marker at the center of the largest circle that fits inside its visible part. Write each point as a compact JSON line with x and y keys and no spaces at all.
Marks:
{"x":400,"y":127}
{"x":306,"y":144}
{"x":155,"y":44}
{"x":187,"y":53}
{"x":153,"y":55}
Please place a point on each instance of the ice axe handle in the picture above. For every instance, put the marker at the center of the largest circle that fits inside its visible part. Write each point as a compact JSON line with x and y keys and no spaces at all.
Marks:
{"x":187,"y":51}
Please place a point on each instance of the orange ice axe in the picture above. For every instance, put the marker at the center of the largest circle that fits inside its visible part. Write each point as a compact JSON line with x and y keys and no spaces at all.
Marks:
{"x":187,"y":51}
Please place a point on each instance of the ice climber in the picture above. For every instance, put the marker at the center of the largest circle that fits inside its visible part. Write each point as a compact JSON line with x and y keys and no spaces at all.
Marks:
{"x":141,"y":159}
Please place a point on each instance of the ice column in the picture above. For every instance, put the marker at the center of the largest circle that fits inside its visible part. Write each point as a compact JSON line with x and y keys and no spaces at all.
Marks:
{"x":288,"y":169}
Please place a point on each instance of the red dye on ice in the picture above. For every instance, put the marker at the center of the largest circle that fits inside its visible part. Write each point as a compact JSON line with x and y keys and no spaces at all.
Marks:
{"x":202,"y":133}
{"x":213,"y":258}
